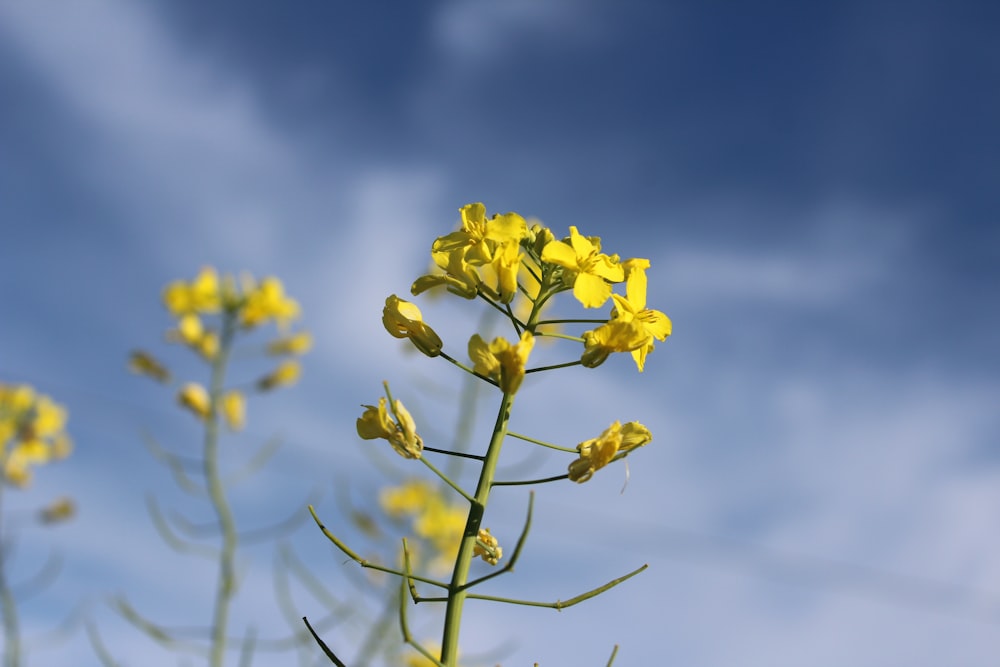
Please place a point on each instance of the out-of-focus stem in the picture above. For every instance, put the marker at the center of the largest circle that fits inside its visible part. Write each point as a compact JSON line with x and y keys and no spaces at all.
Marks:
{"x":226,"y":583}
{"x":11,"y":627}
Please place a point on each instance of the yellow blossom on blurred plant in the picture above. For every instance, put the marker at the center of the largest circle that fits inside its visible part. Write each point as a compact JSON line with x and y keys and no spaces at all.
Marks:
{"x":267,"y":301}
{"x":299,"y":343}
{"x":199,"y":296}
{"x":194,"y":397}
{"x":285,"y":374}
{"x":403,"y":319}
{"x":590,"y":269}
{"x":234,"y":409}
{"x":407,"y":499}
{"x":32,"y":432}
{"x":143,"y":363}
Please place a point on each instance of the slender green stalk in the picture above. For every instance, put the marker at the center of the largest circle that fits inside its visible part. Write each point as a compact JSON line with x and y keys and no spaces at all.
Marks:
{"x":11,"y":627}
{"x":457,"y":591}
{"x":226,"y":584}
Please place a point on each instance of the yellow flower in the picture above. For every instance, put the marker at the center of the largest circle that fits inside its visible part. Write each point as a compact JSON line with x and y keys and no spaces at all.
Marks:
{"x":615,"y":336}
{"x":633,"y":307}
{"x":199,"y":296}
{"x":415,"y":659}
{"x":286,"y":373}
{"x":143,"y":363}
{"x":500,"y":360}
{"x":479,"y":237}
{"x":591,"y":269}
{"x":403,"y":319}
{"x":194,"y":397}
{"x":267,"y":301}
{"x":407,"y":499}
{"x":234,"y":410}
{"x":600,"y":451}
{"x":31,"y":432}
{"x":487,"y":547}
{"x":375,"y":422}
{"x":299,"y":343}
{"x":442,"y":525}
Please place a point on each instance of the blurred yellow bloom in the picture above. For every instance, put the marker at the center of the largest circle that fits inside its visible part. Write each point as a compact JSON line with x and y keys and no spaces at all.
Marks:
{"x":500,"y":360}
{"x":62,"y":509}
{"x":600,"y":451}
{"x":194,"y":397}
{"x":299,"y":343}
{"x":407,"y":499}
{"x":400,"y":429}
{"x":415,"y":659}
{"x":286,"y":373}
{"x":591,"y":269}
{"x":144,"y":363}
{"x":403,"y":319}
{"x":234,"y":410}
{"x":267,"y":301}
{"x":199,"y":296}
{"x":31,"y":432}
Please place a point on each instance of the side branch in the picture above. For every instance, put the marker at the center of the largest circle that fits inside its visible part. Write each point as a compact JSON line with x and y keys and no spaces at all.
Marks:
{"x":559,"y":605}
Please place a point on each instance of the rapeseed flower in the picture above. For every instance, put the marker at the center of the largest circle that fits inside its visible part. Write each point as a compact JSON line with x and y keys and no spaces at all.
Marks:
{"x":589,"y":269}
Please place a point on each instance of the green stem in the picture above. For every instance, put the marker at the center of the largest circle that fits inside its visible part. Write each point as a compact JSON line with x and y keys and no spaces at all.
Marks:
{"x":11,"y":628}
{"x":226,"y":584}
{"x":457,"y":590}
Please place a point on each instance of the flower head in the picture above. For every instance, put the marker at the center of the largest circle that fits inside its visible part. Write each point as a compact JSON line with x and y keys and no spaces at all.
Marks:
{"x":143,"y":363}
{"x":400,"y":429}
{"x":267,"y":301}
{"x":199,"y":296}
{"x":286,"y":373}
{"x":403,"y":319}
{"x":600,"y":451}
{"x":618,"y":335}
{"x":234,"y":410}
{"x":632,"y":307}
{"x":487,"y":547}
{"x":32,"y":432}
{"x":500,"y":360}
{"x":195,"y":398}
{"x":590,"y":270}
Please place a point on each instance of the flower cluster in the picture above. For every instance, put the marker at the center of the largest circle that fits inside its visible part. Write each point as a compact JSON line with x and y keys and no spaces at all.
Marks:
{"x":210,"y":310}
{"x":32,"y":432}
{"x":499,"y":258}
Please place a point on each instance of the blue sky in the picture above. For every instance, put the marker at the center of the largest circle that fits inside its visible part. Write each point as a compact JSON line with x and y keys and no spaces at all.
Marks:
{"x":814,"y":189}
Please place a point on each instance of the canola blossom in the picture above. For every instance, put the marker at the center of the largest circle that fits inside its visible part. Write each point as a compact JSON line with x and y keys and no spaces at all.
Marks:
{"x":32,"y":433}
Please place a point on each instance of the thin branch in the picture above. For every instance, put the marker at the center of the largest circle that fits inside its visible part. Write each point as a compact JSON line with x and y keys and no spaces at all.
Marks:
{"x":571,"y":450}
{"x":539,"y":369}
{"x":326,"y":649}
{"x":174,"y":541}
{"x":446,"y":480}
{"x":366,"y":563}
{"x":543,"y":480}
{"x":449,"y":452}
{"x":559,"y":605}
{"x":255,"y":463}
